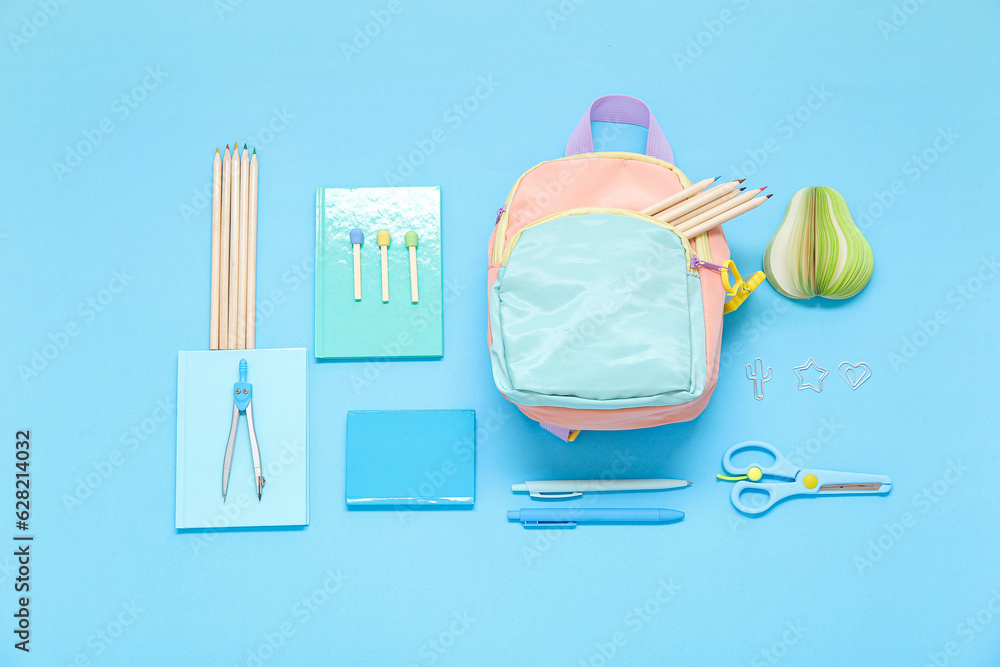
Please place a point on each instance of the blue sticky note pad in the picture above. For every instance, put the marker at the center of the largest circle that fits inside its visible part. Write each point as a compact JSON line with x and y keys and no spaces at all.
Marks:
{"x":204,"y":414}
{"x":414,"y":458}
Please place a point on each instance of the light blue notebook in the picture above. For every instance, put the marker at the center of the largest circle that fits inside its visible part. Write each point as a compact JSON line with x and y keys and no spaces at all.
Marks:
{"x":411,"y":458}
{"x":204,"y":414}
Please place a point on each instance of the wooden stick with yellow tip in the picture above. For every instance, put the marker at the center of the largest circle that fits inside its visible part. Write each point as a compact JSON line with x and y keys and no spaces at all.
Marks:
{"x":383,"y":246}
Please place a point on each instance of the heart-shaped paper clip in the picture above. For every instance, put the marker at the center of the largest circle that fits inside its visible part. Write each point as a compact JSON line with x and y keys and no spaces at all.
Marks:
{"x":854,"y":375}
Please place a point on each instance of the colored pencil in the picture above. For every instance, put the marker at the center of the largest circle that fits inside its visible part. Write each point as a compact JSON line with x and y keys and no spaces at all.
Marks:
{"x":234,"y":248}
{"x":680,"y":196}
{"x":718,"y":210}
{"x":241,"y":296}
{"x":252,"y":255}
{"x":728,"y":215}
{"x":213,"y":329}
{"x":706,"y":207}
{"x":227,"y":172}
{"x":676,"y":211}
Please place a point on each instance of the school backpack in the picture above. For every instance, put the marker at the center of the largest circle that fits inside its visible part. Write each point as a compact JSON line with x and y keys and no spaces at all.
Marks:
{"x":601,"y":317}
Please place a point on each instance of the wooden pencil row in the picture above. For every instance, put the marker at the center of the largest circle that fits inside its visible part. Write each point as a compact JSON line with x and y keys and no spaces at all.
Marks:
{"x":234,"y":250}
{"x":699,"y":208}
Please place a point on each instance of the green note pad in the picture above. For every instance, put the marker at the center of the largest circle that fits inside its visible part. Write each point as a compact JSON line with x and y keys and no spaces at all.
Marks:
{"x":346,"y":328}
{"x":412,"y":458}
{"x":204,"y":414}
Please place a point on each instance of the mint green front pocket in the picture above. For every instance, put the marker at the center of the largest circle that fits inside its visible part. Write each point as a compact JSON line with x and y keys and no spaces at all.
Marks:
{"x":597,"y":308}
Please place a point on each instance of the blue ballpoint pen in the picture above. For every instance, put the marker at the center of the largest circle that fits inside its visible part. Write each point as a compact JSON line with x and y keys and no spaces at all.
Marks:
{"x":570,"y":517}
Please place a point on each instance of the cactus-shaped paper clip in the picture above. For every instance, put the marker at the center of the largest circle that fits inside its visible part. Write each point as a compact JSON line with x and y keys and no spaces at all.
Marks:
{"x":759,"y":377}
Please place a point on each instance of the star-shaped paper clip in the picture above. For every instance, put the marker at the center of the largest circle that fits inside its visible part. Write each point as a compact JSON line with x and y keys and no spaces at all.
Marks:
{"x":808,"y":385}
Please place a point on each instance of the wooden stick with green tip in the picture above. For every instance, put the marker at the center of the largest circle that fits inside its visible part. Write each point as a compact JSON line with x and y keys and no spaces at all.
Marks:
{"x":411,"y":243}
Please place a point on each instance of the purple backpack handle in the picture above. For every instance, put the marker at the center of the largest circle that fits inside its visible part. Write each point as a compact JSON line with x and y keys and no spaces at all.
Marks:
{"x":619,"y":109}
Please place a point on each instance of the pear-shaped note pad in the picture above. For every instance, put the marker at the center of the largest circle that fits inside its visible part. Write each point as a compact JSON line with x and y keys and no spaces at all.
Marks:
{"x":818,"y":250}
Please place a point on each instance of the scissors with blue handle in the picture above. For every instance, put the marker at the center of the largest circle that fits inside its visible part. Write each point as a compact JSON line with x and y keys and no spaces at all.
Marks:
{"x":804,"y":482}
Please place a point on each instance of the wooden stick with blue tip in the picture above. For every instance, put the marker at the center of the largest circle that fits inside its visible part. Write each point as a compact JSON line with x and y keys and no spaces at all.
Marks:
{"x":411,"y":243}
{"x":357,"y":238}
{"x":383,"y":246}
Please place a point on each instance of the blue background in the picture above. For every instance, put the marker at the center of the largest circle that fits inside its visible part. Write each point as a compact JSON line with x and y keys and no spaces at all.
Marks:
{"x":114,"y":583}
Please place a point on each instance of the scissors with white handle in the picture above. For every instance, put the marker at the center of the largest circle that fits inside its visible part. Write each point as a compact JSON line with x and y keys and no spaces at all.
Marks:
{"x":804,"y":482}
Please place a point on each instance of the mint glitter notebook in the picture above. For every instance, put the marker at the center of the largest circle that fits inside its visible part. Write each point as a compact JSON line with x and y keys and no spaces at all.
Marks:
{"x":347,"y":328}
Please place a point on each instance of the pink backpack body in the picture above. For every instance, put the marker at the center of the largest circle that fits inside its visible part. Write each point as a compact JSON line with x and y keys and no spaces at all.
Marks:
{"x":600,"y":318}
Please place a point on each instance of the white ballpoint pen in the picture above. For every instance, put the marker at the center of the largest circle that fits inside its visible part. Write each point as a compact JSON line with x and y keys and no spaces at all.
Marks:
{"x":571,"y":488}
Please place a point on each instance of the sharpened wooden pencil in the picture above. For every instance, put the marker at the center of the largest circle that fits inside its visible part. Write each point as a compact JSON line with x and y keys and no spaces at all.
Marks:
{"x":706,"y":207}
{"x":252,"y":256}
{"x":213,"y":328}
{"x":676,"y":211}
{"x":728,"y":215}
{"x":234,"y":247}
{"x":679,"y":196}
{"x":241,"y":295}
{"x":227,"y":177}
{"x":719,"y":209}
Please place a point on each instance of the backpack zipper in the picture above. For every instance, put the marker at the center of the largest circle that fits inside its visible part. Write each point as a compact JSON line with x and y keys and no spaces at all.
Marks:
{"x":688,"y":252}
{"x":498,"y":254}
